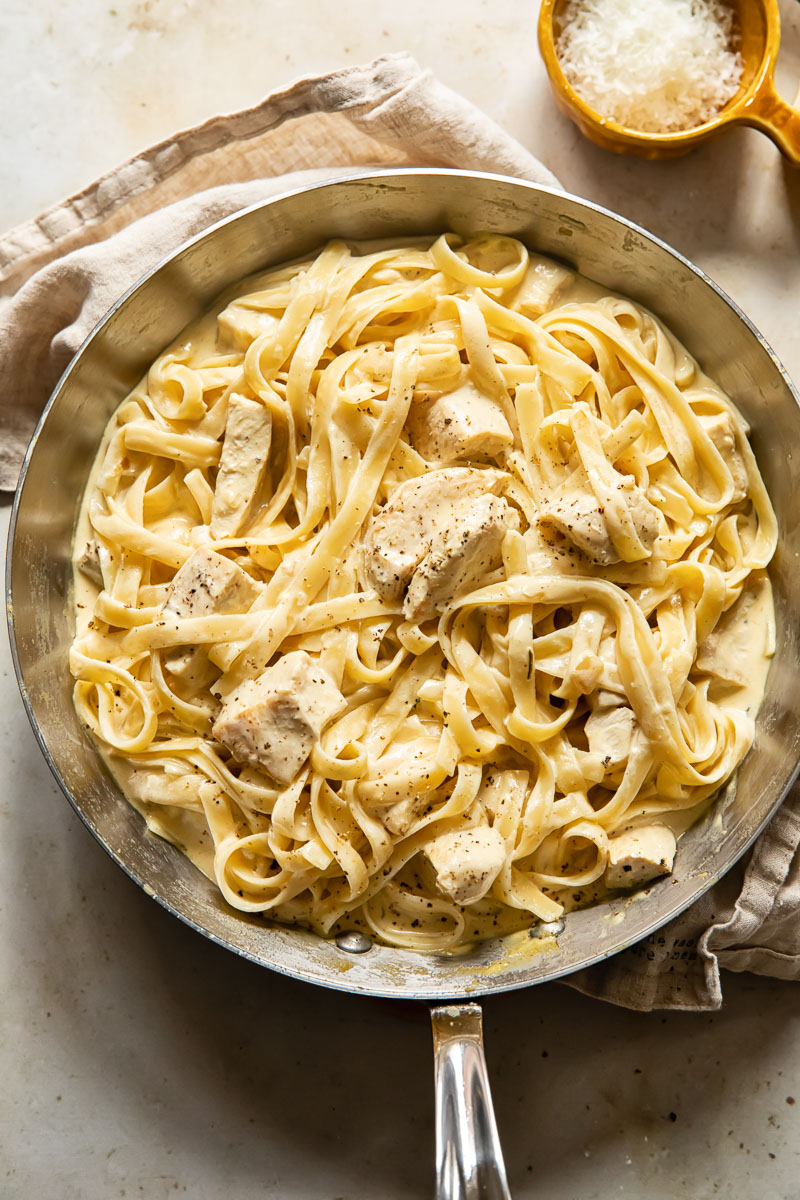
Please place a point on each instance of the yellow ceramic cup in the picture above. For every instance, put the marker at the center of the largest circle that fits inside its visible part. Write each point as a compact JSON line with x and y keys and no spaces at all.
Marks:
{"x":756,"y":103}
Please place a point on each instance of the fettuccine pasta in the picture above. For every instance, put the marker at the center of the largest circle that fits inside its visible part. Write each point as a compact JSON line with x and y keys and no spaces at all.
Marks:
{"x":422,"y":589}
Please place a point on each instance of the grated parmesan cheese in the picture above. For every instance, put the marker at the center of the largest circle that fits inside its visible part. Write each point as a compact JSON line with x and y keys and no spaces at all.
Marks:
{"x":659,"y":66}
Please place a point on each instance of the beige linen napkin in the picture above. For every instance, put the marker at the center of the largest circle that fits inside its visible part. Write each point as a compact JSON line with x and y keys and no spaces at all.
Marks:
{"x":61,"y":272}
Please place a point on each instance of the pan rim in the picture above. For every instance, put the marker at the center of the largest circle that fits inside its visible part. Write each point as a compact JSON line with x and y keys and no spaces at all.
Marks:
{"x":496,"y":982}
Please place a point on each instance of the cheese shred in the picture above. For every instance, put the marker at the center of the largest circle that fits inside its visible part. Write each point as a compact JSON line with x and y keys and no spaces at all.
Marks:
{"x":657,"y":67}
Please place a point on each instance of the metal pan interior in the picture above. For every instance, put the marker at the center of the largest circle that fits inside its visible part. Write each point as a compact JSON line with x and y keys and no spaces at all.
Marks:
{"x":597,"y":243}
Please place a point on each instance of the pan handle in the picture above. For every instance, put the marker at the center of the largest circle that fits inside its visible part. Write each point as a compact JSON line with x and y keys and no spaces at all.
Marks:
{"x":469,"y":1160}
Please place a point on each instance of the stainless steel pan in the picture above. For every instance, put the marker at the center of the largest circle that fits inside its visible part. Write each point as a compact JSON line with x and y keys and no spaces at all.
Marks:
{"x":601,"y":245}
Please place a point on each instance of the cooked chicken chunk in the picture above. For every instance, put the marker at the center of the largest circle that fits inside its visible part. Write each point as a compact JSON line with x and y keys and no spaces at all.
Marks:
{"x":734,"y":650}
{"x":639,"y":856}
{"x":467,"y":862}
{"x":502,"y":794}
{"x":603,"y":698}
{"x":402,"y":779}
{"x":402,"y":815}
{"x":719,"y":428}
{"x":91,"y":560}
{"x":503,"y":791}
{"x":417,"y":515}
{"x":190,"y":666}
{"x":610,"y":733}
{"x":460,"y":424}
{"x":210,"y":583}
{"x":239,"y":324}
{"x":577,"y":513}
{"x":248,"y":432}
{"x":461,"y":557}
{"x":274,"y":721}
{"x":544,"y":283}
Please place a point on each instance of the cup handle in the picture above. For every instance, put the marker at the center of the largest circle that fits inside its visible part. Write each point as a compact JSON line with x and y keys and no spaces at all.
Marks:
{"x":469,"y":1160}
{"x":768,"y":111}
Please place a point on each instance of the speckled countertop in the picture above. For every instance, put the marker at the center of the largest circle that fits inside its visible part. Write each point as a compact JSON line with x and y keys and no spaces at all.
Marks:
{"x":137,"y":1059}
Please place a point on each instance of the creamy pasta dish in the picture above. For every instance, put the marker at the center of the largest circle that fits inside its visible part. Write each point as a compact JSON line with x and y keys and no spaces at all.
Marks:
{"x":421,"y":589}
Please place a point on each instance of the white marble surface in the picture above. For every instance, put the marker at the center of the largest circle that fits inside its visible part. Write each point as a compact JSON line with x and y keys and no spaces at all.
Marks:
{"x":138,"y":1059}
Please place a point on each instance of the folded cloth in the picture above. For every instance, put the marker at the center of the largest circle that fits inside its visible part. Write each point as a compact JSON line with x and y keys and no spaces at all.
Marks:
{"x":60,"y":273}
